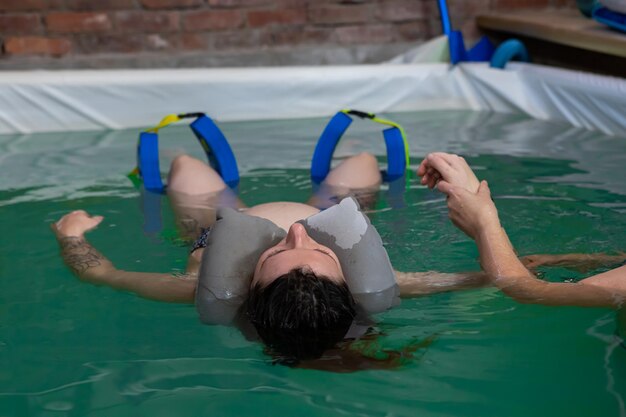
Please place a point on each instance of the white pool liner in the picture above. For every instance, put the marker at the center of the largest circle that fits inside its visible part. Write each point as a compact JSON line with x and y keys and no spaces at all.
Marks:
{"x":54,"y":101}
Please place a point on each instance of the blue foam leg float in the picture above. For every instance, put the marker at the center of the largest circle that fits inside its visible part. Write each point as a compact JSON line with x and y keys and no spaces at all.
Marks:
{"x":395,"y":141}
{"x":217,"y":149}
{"x":325,"y":148}
{"x":213,"y":141}
{"x":148,"y":162}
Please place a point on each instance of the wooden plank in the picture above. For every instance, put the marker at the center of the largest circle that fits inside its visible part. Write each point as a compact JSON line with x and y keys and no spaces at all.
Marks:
{"x":566,"y":27}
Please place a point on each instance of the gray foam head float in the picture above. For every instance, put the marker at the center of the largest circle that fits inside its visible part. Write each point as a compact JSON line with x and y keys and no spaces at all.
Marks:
{"x":364,"y":261}
{"x":237,"y":240}
{"x":234,"y":246}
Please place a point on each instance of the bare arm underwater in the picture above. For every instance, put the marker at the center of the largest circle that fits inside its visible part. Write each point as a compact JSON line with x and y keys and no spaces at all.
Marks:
{"x":474,"y":212}
{"x":417,"y":284}
{"x":91,"y":266}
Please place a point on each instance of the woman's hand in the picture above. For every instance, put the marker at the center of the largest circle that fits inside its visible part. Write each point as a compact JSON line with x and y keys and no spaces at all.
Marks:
{"x":470,"y":212}
{"x":450,"y":168}
{"x":75,"y":224}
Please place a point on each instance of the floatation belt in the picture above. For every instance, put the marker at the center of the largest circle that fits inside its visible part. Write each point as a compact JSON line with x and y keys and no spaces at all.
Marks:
{"x":213,"y":141}
{"x":395,"y":140}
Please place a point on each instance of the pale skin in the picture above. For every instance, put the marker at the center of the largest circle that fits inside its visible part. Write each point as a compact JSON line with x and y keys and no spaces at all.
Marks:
{"x":195,"y":190}
{"x":473,"y":211}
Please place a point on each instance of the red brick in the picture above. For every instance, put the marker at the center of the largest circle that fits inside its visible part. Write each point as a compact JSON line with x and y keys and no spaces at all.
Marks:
{"x":471,"y":33}
{"x":564,"y":3}
{"x":20,"y":24}
{"x":433,"y":28}
{"x":100,"y":5}
{"x":333,"y":14}
{"x":20,"y":5}
{"x":213,"y":20}
{"x":400,"y":10}
{"x":294,"y":4}
{"x":259,"y":18}
{"x":240,"y":3}
{"x":520,"y":4}
{"x":97,"y":43}
{"x":413,"y":31}
{"x":194,"y":41}
{"x":429,"y":8}
{"x":142,"y":21}
{"x":171,"y":4}
{"x":296,"y":35}
{"x":161,"y":42}
{"x":56,"y":5}
{"x":463,"y":9}
{"x":34,"y":45}
{"x":365,"y":34}
{"x":76,"y":22}
{"x":238,"y":39}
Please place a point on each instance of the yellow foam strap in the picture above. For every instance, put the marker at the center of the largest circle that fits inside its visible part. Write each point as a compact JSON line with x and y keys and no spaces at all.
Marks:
{"x":166,"y":121}
{"x":394,"y":124}
{"x":386,"y":122}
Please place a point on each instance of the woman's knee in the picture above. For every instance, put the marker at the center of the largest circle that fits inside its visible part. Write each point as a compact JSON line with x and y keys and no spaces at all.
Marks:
{"x":358,"y":171}
{"x":191,"y":176}
{"x":183,"y":163}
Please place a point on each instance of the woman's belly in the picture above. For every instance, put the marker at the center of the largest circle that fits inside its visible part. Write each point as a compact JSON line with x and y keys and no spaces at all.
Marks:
{"x":283,"y":214}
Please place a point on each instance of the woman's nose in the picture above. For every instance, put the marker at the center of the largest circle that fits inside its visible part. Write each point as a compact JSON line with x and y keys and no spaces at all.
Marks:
{"x":297,"y":236}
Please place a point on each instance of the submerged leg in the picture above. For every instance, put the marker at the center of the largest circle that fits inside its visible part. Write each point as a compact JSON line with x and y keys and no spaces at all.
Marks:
{"x":357,"y":175}
{"x":196,"y":191}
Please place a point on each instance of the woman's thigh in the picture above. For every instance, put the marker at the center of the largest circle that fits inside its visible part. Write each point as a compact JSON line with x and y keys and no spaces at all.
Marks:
{"x":196,"y":191}
{"x":356,"y":176}
{"x":355,"y":173}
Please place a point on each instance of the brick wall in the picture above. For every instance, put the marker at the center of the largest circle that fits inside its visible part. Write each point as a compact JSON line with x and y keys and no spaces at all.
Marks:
{"x":169,"y":33}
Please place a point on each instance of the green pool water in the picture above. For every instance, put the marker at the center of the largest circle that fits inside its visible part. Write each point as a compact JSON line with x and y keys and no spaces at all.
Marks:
{"x":72,"y":349}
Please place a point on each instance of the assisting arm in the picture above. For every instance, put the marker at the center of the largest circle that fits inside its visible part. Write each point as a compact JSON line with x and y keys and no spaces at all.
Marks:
{"x":91,"y":266}
{"x":474,"y":212}
{"x":508,"y":273}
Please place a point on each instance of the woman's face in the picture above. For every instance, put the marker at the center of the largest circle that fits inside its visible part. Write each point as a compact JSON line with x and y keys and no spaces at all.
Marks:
{"x":297,"y":250}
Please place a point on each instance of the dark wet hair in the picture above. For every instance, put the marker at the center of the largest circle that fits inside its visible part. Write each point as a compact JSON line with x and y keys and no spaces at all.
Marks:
{"x":300,"y":315}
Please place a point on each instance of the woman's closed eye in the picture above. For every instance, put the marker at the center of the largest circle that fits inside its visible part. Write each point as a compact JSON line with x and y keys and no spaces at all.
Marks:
{"x":283,"y":250}
{"x":325,"y":253}
{"x":272,"y":254}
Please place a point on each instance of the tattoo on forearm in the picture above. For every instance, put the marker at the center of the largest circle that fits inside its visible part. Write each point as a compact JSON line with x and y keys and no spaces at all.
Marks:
{"x":79,"y":255}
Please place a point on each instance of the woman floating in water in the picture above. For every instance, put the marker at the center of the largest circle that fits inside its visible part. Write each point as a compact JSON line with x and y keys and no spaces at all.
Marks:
{"x":296,"y":294}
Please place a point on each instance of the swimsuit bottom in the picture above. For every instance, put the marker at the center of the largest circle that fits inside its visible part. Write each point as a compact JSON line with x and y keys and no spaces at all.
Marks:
{"x":201,"y":242}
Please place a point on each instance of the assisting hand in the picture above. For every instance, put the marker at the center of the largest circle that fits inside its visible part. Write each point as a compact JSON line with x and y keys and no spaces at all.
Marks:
{"x":75,"y":224}
{"x":448,"y":167}
{"x":470,"y":212}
